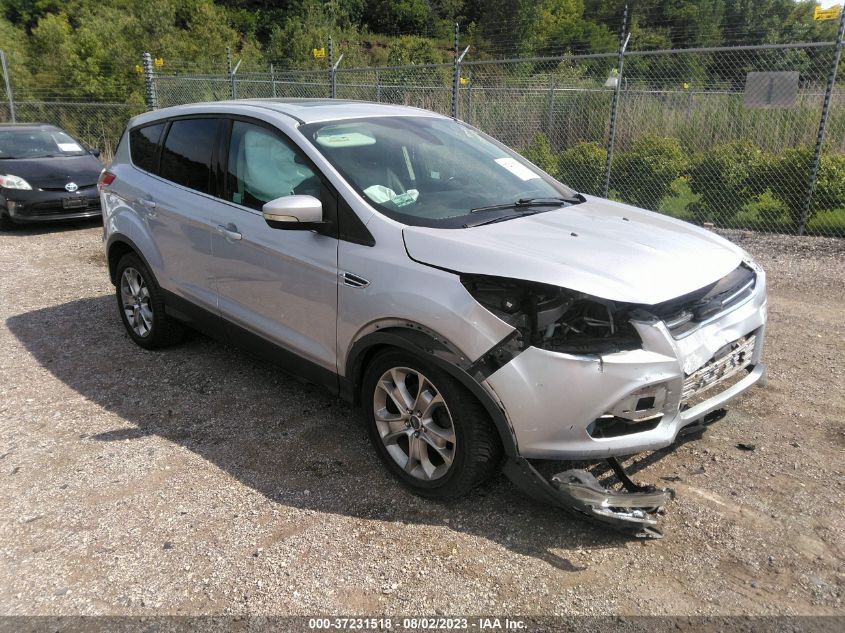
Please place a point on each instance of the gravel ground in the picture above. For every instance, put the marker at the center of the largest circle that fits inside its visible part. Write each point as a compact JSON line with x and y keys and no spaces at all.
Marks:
{"x":198,"y":480}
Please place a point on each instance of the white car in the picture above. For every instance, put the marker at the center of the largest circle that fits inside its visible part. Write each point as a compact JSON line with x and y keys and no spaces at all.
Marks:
{"x":477,"y":309}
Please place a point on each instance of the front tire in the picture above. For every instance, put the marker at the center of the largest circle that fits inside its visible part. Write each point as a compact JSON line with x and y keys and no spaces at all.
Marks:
{"x":141,"y":307}
{"x":429,"y":431}
{"x":5,"y":222}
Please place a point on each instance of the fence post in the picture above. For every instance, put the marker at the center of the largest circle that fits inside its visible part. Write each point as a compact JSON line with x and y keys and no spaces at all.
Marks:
{"x":8,"y":81}
{"x":378,"y":86}
{"x":550,"y":115}
{"x":229,"y":69}
{"x":334,"y":76}
{"x":233,"y":86}
{"x":332,"y":85}
{"x":273,"y":80}
{"x":614,"y":107}
{"x":149,"y":82}
{"x":456,"y":74}
{"x":468,"y":114}
{"x":817,"y":155}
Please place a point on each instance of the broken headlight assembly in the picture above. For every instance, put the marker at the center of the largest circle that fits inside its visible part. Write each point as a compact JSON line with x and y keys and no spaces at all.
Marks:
{"x":556,"y":319}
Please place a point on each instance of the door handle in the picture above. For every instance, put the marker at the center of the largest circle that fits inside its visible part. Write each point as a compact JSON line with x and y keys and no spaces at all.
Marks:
{"x":230,"y":232}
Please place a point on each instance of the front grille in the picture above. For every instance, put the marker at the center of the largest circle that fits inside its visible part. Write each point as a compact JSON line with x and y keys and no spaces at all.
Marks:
{"x":55,"y":207}
{"x":718,"y":369}
{"x":62,"y":188}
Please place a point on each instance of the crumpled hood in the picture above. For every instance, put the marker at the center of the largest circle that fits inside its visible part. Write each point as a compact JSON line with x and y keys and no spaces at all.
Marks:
{"x":599,"y":247}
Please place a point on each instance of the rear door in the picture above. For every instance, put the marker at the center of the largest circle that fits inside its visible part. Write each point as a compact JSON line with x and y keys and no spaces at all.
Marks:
{"x":280,"y":285}
{"x":179,"y":211}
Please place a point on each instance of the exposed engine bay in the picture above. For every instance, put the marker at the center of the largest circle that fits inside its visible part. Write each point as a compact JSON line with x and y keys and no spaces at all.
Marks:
{"x":554,"y":318}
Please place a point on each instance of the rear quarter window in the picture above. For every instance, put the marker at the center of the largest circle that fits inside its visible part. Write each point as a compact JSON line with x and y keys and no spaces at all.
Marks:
{"x":143,"y":146}
{"x":187,"y":151}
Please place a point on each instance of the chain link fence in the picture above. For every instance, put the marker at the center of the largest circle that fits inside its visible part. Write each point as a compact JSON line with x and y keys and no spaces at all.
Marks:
{"x":726,"y":137}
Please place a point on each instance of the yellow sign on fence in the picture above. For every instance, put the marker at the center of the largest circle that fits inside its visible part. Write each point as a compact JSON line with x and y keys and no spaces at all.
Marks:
{"x":318,"y":53}
{"x":826,"y":14}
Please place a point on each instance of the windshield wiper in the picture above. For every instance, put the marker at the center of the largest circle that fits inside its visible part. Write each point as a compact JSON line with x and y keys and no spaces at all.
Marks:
{"x":501,"y":218}
{"x":532,"y":202}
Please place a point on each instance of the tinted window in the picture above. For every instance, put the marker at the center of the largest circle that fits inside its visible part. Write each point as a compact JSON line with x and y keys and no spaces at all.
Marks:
{"x":263,"y":167}
{"x":143,"y":143}
{"x":186,"y":155}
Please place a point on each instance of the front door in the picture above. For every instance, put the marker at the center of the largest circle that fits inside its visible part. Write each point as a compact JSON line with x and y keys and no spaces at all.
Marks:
{"x":280,"y":285}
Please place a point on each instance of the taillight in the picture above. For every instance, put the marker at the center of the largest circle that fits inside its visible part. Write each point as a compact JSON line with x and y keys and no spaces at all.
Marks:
{"x":106,"y":178}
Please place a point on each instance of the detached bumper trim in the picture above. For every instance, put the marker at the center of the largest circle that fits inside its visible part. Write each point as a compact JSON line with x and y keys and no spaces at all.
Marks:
{"x":580,"y":494}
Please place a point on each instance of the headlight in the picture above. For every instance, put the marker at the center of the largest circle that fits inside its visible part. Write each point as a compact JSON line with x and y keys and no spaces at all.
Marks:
{"x":13,"y":182}
{"x":554,"y":318}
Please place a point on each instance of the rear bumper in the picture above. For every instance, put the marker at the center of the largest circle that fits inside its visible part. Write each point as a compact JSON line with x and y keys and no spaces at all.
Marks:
{"x":555,"y":402}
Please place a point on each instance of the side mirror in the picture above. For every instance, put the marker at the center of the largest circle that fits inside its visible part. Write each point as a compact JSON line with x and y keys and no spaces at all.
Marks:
{"x":94,"y":152}
{"x":294,"y":213}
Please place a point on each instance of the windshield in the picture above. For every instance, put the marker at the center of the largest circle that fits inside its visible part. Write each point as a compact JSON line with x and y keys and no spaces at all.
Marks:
{"x":38,"y":143}
{"x":435,"y":172}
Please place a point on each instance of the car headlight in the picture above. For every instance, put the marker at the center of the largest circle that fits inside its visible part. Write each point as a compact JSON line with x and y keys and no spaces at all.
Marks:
{"x":13,"y":182}
{"x":556,"y":319}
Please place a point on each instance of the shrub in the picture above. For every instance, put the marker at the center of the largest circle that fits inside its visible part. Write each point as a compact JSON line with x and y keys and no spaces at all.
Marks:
{"x":582,"y":167}
{"x":788,"y":177}
{"x":726,"y":177}
{"x":643,"y":174}
{"x":539,"y":152}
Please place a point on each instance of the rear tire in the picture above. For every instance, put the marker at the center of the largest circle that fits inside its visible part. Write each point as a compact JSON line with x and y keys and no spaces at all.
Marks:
{"x":141,"y":307}
{"x":430,"y":432}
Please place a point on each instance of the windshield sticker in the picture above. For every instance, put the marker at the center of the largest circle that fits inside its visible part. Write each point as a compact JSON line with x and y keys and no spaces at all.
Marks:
{"x":516,"y":168}
{"x":69,"y":147}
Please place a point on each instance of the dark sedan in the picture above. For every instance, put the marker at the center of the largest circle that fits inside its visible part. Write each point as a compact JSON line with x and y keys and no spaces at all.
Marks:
{"x":45,"y":174}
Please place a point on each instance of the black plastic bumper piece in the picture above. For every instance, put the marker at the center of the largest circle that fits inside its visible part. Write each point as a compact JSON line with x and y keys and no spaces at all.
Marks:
{"x":580,"y":494}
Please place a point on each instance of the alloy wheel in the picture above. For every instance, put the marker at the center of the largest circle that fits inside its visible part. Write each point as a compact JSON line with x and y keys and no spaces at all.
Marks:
{"x":135,"y":297}
{"x":414,"y":423}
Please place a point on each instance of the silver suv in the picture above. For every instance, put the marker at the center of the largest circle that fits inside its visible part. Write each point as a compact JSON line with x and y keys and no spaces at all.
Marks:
{"x":473,"y":306}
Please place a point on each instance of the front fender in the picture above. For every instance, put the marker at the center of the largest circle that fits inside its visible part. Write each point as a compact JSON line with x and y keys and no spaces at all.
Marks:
{"x":432,"y":349}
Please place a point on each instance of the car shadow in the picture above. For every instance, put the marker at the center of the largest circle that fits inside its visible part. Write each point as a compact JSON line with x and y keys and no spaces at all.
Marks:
{"x":56,"y":226}
{"x":292,"y":442}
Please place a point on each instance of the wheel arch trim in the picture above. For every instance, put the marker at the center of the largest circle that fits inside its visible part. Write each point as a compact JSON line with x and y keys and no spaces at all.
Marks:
{"x":118,"y":240}
{"x":421,"y":342}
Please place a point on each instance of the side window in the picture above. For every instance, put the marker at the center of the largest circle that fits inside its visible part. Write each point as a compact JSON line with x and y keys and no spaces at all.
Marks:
{"x":263,"y":167}
{"x":186,"y":155}
{"x":143,"y":146}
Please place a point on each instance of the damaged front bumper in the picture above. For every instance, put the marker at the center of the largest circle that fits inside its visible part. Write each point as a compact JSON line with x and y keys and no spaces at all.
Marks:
{"x":601,"y":406}
{"x":643,"y":397}
{"x":579,"y":493}
{"x":631,"y":511}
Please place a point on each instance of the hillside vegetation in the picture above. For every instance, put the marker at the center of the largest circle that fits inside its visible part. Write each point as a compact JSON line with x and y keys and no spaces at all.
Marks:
{"x":89,"y":50}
